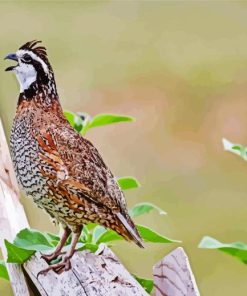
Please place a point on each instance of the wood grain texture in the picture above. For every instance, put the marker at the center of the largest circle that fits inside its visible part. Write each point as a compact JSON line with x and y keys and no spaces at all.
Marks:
{"x":173,"y":276}
{"x":12,"y":215}
{"x":91,"y":275}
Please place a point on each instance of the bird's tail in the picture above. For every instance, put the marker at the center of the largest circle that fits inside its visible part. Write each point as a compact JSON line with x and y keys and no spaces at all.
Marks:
{"x":128,"y":229}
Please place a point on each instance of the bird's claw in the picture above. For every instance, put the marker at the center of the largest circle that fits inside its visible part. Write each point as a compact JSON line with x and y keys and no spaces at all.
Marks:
{"x":49,"y":258}
{"x":60,"y":267}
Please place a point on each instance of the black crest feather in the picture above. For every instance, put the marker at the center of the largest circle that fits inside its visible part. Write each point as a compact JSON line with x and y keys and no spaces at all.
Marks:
{"x":38,"y":50}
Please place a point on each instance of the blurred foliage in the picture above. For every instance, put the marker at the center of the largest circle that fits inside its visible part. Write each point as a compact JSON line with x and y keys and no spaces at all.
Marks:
{"x":128,"y":183}
{"x":236,"y":249}
{"x":180,"y":68}
{"x":235,"y":148}
{"x":3,"y":271}
{"x":82,"y":122}
{"x":147,"y":284}
{"x":144,"y":207}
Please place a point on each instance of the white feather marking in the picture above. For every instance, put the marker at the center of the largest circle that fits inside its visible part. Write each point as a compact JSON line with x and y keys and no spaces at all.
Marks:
{"x":21,"y":52}
{"x":26,"y":75}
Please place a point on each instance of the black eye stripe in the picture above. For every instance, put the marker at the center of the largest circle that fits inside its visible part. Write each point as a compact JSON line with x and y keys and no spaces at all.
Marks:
{"x":26,"y":58}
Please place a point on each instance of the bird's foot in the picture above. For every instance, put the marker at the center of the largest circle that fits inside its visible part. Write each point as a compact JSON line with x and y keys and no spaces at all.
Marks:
{"x":60,"y":267}
{"x":50,"y":257}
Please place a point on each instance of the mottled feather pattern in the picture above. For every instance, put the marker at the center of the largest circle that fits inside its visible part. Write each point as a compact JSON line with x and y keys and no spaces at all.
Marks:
{"x":61,"y":170}
{"x":70,"y":173}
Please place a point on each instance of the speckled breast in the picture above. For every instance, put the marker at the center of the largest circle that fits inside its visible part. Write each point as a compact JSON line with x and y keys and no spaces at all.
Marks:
{"x":28,"y":168}
{"x":24,"y":152}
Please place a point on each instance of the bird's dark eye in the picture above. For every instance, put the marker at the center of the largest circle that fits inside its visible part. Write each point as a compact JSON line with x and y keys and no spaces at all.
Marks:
{"x":26,"y":58}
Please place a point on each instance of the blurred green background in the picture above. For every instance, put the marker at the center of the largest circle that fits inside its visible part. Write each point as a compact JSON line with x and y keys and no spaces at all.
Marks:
{"x":181,"y":69}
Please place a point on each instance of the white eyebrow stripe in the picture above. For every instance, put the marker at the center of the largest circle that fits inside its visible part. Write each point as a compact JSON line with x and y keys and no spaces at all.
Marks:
{"x":21,"y":52}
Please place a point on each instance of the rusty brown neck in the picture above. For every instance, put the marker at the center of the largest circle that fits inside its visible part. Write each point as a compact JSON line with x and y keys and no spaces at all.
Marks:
{"x":40,"y":100}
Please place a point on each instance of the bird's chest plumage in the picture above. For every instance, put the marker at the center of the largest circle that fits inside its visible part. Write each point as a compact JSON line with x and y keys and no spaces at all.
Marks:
{"x":57,"y":168}
{"x":25,"y":156}
{"x":35,"y":172}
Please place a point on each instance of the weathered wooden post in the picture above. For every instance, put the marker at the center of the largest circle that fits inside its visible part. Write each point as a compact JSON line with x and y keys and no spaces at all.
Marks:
{"x":173,"y":275}
{"x":12,"y":215}
{"x":92,"y":274}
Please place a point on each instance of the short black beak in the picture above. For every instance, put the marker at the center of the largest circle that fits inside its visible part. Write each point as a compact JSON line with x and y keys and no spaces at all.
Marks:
{"x":11,"y":56}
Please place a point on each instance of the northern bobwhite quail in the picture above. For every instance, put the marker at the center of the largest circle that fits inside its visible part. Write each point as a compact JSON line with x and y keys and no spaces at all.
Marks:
{"x":62,"y":171}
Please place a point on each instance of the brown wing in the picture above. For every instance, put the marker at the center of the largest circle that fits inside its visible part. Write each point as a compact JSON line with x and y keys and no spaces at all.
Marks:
{"x":82,"y":173}
{"x":78,"y":163}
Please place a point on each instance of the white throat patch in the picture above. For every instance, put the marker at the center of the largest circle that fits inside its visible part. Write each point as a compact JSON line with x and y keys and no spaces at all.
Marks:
{"x":26,"y":75}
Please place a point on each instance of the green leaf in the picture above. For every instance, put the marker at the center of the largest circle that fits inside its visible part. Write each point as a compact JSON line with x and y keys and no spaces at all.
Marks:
{"x":151,"y":236}
{"x":56,"y":260}
{"x":52,"y":238}
{"x":238,"y":148}
{"x":236,"y":249}
{"x":128,"y":183}
{"x":147,"y":284}
{"x":3,"y":271}
{"x":146,"y":233}
{"x":104,"y":119}
{"x":74,"y":119}
{"x":97,"y":233}
{"x":79,"y":245}
{"x":235,"y":148}
{"x":86,"y":235}
{"x":89,"y":246}
{"x":144,"y":208}
{"x":109,"y":236}
{"x":16,"y":254}
{"x":82,"y":121}
{"x":30,"y":239}
{"x":91,"y":226}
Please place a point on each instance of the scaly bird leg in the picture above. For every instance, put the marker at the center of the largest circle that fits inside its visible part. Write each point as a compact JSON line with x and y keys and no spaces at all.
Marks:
{"x":57,"y":252}
{"x":65,"y":264}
